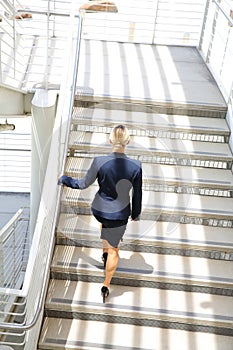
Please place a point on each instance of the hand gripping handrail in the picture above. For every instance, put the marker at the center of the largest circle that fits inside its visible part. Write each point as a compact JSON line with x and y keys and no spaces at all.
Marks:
{"x":27,"y":326}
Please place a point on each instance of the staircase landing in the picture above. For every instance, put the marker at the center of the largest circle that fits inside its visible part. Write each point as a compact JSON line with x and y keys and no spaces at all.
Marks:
{"x":139,"y":72}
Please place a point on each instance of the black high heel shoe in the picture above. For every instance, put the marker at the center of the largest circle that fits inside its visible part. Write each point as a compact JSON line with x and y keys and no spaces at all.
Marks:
{"x":104,"y":293}
{"x":104,"y":259}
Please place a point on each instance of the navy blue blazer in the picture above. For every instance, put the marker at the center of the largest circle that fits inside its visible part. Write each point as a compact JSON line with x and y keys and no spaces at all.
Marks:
{"x":119,"y":178}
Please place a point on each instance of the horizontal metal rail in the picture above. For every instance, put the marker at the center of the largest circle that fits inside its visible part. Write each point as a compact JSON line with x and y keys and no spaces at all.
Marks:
{"x":15,"y":161}
{"x":11,"y":58}
{"x":14,"y":252}
{"x":222,"y":9}
{"x":19,"y":46}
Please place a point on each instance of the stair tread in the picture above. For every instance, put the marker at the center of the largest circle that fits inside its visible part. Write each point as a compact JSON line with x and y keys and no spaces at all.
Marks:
{"x":149,"y":232}
{"x":58,"y":333}
{"x":161,"y":173}
{"x":145,"y":266}
{"x":162,"y":203}
{"x":143,"y":120}
{"x":140,"y":302}
{"x":99,"y":142}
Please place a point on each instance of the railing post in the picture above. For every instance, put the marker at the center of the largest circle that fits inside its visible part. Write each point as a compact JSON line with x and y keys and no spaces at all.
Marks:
{"x":212,"y":35}
{"x":54,"y":22}
{"x":14,"y":35}
{"x":47,"y":49}
{"x":14,"y":254}
{"x":1,"y":262}
{"x":204,"y":24}
{"x":155,"y":21}
{"x":1,"y":33}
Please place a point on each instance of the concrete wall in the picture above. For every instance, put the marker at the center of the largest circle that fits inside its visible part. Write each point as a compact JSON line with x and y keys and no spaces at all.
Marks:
{"x":14,"y":102}
{"x":11,"y":102}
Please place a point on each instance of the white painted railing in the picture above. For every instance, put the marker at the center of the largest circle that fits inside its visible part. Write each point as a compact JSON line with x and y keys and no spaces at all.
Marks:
{"x":216,"y":43}
{"x":31,"y":49}
{"x":178,"y":22}
{"x":15,"y":159}
{"x":150,"y":21}
{"x":216,"y":47}
{"x":14,"y":252}
{"x":12,"y":64}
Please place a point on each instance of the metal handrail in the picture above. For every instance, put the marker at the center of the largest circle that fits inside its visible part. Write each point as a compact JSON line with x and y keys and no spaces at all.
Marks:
{"x":10,"y":9}
{"x":29,"y":325}
{"x":13,"y":66}
{"x":10,"y":242}
{"x":217,"y":17}
{"x":221,"y":8}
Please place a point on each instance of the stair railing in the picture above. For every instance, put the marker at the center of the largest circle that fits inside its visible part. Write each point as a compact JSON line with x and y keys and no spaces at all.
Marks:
{"x":13,"y":251}
{"x":15,"y":57}
{"x":223,"y":10}
{"x":12,"y":60}
{"x":216,"y":43}
{"x":37,"y":273}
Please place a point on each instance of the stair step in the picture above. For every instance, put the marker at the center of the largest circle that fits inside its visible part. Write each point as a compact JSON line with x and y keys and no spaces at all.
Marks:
{"x":84,"y":98}
{"x":146,"y":269}
{"x":149,"y":236}
{"x":58,"y":333}
{"x":165,"y":177}
{"x":179,"y":152}
{"x":140,"y":305}
{"x":159,"y":205}
{"x":153,"y":124}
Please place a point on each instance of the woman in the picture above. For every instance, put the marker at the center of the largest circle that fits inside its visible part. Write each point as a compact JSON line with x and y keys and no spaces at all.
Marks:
{"x":117,"y":174}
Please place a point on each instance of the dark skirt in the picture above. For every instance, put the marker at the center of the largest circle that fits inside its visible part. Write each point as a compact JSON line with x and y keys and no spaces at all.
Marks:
{"x":112,"y":230}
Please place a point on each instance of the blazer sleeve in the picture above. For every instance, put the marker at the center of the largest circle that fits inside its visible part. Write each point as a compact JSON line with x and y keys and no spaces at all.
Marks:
{"x":137,"y":195}
{"x":82,"y":183}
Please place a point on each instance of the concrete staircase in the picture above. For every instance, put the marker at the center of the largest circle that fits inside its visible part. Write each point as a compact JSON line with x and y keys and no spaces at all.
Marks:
{"x":173,"y":286}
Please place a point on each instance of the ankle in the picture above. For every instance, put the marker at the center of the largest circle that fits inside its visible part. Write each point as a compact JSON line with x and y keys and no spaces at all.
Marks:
{"x":106,"y":284}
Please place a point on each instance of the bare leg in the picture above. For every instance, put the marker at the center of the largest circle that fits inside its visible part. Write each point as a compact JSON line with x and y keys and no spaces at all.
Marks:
{"x":105,"y":243}
{"x":112,"y":262}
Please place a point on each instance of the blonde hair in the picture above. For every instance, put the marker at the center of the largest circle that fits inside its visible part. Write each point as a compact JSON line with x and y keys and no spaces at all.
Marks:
{"x":119,"y":136}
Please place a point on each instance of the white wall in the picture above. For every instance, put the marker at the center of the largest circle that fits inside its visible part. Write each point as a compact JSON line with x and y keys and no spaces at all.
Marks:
{"x":11,"y":102}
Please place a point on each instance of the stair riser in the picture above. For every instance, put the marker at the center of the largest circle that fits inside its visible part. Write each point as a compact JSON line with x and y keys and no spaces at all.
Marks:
{"x":154,"y":248}
{"x":145,"y":107}
{"x":178,"y":134}
{"x":185,"y":217}
{"x":168,"y":178}
{"x":165,"y":186}
{"x":149,"y":322}
{"x":164,"y":284}
{"x":157,"y":158}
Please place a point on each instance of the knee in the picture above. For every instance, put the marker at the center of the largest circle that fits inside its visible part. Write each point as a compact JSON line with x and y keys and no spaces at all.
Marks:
{"x":113,"y":252}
